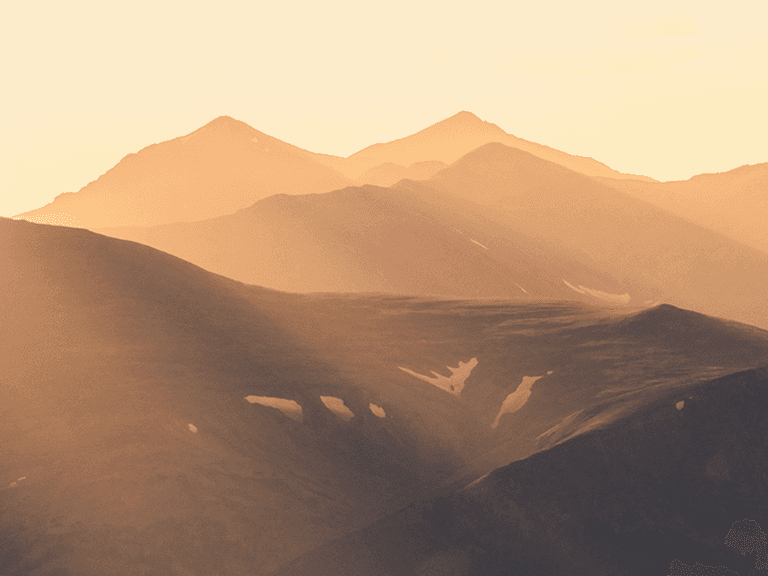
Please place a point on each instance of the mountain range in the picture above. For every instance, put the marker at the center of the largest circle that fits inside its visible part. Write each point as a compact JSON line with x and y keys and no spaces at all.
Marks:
{"x":498,"y":222}
{"x":457,"y":353}
{"x":226,"y":165}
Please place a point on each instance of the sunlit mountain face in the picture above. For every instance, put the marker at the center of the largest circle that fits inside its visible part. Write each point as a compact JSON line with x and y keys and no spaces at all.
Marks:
{"x":732,"y":203}
{"x":396,"y":240}
{"x":215,"y":170}
{"x":455,"y":353}
{"x":693,"y":266}
{"x":227,"y":165}
{"x":159,"y":418}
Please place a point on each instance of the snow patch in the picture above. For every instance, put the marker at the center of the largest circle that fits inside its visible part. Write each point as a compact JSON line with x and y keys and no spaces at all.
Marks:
{"x":599,"y":294}
{"x":517,"y":399}
{"x":336,"y":405}
{"x":452,"y":384}
{"x":290,"y":408}
{"x":521,"y":288}
{"x":15,"y":484}
{"x":377,"y":410}
{"x":475,"y":482}
{"x":478,"y":243}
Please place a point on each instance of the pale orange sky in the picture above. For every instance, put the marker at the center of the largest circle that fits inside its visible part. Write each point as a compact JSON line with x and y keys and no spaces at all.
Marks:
{"x":667,"y":89}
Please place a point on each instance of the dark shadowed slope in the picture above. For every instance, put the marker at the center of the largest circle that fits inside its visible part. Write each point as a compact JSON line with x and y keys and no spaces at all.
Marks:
{"x":218,"y":169}
{"x":733,"y":203}
{"x":659,"y":489}
{"x":382,"y":240}
{"x":450,"y":139}
{"x":131,"y":444}
{"x":694,"y":267}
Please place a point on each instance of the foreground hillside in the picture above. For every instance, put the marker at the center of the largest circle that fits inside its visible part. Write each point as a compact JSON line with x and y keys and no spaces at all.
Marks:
{"x":161,"y":419}
{"x":677,"y":484}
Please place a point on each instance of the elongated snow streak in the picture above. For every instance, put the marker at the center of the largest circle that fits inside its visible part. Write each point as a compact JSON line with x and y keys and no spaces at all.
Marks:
{"x":452,"y":384}
{"x":337,"y":406}
{"x":599,"y":294}
{"x":290,"y":408}
{"x":517,"y":399}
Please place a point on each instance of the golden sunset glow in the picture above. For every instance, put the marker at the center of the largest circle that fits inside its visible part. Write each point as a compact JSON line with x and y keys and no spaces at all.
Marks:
{"x":666,"y":89}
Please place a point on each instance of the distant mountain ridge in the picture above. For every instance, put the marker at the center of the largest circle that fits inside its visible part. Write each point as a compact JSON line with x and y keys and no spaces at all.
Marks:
{"x":227,"y":165}
{"x":733,"y":203}
{"x":453,"y":137}
{"x":222,"y":167}
{"x":373,"y":239}
{"x":697,"y":268}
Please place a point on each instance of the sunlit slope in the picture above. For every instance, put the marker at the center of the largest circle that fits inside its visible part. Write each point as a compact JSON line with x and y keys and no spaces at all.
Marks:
{"x":449,"y":139}
{"x":371,"y":239}
{"x":217,"y":169}
{"x":694,"y":267}
{"x":125,"y":373}
{"x":733,"y":203}
{"x":665,"y":484}
{"x":150,"y":420}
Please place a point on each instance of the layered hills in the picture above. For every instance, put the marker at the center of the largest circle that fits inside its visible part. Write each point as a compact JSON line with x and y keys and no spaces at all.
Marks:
{"x":448,"y":140}
{"x":733,"y":203}
{"x":227,"y":165}
{"x":693,"y":266}
{"x":498,"y":222}
{"x":373,"y":239}
{"x":159,"y":418}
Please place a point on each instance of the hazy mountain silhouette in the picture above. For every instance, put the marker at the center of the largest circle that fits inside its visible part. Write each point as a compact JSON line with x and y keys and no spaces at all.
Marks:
{"x":695,"y":267}
{"x":373,"y":239}
{"x":655,"y":491}
{"x":388,"y":173}
{"x":130,"y":447}
{"x":450,"y":139}
{"x":217,"y":169}
{"x":733,"y":203}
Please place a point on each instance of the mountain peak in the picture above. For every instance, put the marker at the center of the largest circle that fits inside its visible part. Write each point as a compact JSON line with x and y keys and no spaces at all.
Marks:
{"x":227,"y":125}
{"x":468,"y":120}
{"x":465,"y":116}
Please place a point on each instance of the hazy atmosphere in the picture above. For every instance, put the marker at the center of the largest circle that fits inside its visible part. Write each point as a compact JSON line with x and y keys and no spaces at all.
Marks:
{"x":671,"y":91}
{"x":343,"y":290}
